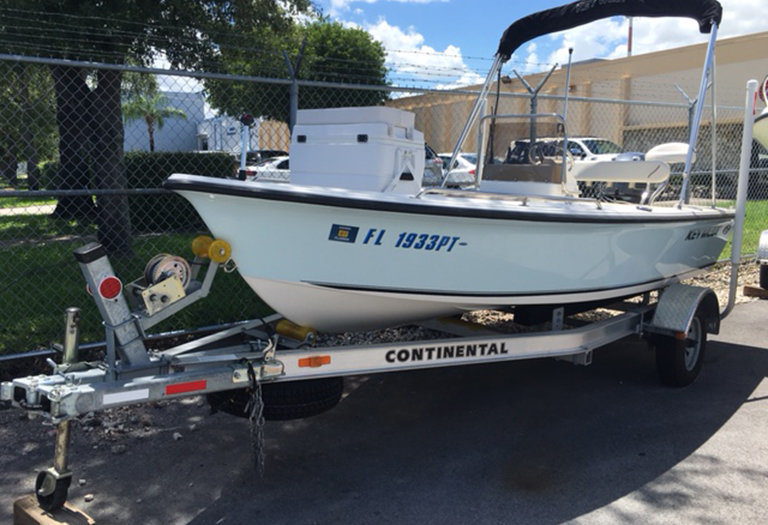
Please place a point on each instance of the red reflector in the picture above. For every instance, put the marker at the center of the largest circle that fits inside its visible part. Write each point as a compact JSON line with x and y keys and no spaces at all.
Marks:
{"x":471,"y":172}
{"x":110,"y":287}
{"x":181,"y":388}
{"x":315,"y":361}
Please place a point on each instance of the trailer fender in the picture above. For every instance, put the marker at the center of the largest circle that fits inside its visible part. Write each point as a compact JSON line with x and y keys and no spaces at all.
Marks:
{"x":678,"y":305}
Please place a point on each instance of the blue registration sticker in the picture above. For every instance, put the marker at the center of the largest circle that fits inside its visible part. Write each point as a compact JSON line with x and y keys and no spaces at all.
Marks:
{"x":342,"y":233}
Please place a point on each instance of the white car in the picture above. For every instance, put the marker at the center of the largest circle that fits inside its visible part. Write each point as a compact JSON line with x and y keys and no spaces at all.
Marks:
{"x":582,"y":148}
{"x":593,"y":148}
{"x":463,"y":171}
{"x":276,"y":169}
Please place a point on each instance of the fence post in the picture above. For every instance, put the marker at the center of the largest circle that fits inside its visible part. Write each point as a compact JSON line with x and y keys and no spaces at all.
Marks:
{"x":293,"y":71}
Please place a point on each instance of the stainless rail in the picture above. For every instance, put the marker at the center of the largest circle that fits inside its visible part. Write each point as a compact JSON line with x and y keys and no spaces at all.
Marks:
{"x":741,"y":195}
{"x":522,"y":197}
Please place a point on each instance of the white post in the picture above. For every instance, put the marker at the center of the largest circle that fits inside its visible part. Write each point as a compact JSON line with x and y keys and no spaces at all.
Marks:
{"x":741,"y":194}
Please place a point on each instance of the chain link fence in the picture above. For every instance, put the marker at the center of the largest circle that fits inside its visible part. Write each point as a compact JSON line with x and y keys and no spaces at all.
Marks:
{"x":69,"y":176}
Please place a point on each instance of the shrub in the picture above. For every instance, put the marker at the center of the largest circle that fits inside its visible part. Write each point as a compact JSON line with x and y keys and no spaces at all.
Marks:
{"x":160,"y":213}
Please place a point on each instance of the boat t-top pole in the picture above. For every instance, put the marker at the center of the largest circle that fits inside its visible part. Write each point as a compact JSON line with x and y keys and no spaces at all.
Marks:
{"x":694,"y":131}
{"x":498,"y":61}
{"x":565,"y":117}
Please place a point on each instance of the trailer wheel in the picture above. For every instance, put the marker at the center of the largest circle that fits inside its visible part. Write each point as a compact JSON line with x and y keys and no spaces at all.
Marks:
{"x":51,"y":492}
{"x":679,"y":361}
{"x":283,"y":401}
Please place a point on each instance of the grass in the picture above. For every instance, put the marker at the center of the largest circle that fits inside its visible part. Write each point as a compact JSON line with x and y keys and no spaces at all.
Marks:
{"x":34,"y":228}
{"x":24,"y":202}
{"x":755,"y":221}
{"x":40,"y":279}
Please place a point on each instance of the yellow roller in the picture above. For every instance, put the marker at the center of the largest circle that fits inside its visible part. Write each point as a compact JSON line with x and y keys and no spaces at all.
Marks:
{"x":286,"y":328}
{"x":219,"y":251}
{"x":200,"y":245}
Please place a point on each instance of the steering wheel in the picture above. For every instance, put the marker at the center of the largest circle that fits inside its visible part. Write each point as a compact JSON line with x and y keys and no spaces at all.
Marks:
{"x":536,"y":153}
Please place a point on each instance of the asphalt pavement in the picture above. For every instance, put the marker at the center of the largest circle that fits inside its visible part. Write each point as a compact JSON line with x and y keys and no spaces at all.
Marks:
{"x":530,"y":442}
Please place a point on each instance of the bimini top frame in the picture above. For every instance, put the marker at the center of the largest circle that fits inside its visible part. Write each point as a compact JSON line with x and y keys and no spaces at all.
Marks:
{"x":707,"y":13}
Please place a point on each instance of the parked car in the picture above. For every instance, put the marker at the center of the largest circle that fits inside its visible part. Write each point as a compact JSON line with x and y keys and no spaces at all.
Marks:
{"x":433,"y":168}
{"x":582,"y":149}
{"x":275,"y":169}
{"x":254,"y":157}
{"x":463,"y":171}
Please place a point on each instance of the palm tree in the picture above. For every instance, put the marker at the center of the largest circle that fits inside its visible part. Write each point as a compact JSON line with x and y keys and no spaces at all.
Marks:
{"x":153,"y":109}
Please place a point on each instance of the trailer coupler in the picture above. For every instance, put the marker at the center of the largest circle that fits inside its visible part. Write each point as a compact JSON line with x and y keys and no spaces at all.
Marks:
{"x":62,"y":397}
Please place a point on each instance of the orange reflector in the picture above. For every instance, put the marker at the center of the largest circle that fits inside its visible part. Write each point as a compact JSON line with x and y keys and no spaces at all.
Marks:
{"x":315,"y":361}
{"x":680,"y":336}
{"x":181,"y":388}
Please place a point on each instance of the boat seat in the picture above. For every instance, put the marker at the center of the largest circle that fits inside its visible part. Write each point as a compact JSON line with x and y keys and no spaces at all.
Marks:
{"x":669,"y":152}
{"x":653,"y":172}
{"x":548,"y":172}
{"x":544,"y":178}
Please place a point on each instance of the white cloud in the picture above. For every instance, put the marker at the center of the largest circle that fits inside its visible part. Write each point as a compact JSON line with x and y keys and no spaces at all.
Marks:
{"x":410,"y":59}
{"x":608,"y":38}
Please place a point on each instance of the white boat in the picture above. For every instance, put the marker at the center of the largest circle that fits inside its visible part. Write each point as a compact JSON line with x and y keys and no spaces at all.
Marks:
{"x":760,"y":128}
{"x":355,"y":245}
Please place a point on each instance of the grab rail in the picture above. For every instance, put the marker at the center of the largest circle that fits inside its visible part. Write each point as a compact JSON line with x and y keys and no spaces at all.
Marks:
{"x":523,"y":197}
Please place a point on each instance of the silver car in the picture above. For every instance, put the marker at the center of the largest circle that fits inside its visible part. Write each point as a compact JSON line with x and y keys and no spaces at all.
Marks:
{"x":433,"y":168}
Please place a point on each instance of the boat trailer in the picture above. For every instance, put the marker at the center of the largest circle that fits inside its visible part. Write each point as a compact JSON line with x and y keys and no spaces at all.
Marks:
{"x":272,"y":349}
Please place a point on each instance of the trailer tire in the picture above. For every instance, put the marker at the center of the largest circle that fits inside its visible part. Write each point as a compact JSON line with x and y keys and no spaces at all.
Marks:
{"x":679,"y":361}
{"x":764,"y":276}
{"x":284,"y":401}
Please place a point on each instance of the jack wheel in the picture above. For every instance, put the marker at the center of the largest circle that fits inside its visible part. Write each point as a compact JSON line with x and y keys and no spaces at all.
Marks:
{"x":219,"y":251}
{"x":51,"y":491}
{"x":679,"y":361}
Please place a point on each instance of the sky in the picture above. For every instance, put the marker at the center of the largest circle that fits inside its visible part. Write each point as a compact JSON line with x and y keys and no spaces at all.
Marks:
{"x":449,"y":43}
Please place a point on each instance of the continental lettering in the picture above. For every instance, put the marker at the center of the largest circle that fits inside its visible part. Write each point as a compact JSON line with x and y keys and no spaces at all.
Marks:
{"x":436,"y":353}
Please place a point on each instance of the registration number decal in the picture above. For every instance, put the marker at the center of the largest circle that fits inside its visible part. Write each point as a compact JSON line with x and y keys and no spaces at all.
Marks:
{"x":425,"y":241}
{"x":430,"y":242}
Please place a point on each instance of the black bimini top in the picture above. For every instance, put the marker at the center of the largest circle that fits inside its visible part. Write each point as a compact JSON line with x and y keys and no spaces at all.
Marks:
{"x":705,"y":12}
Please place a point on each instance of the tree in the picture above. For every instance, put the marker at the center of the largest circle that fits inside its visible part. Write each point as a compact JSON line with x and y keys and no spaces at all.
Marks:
{"x":153,"y":109}
{"x":332,"y":53}
{"x":88,"y":104}
{"x":27,"y":114}
{"x":346,"y":55}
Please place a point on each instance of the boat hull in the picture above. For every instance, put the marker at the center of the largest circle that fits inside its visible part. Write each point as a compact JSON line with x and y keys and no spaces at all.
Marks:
{"x":341,"y":261}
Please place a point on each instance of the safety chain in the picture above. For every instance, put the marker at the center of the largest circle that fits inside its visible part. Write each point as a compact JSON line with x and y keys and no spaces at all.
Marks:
{"x":255,"y":410}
